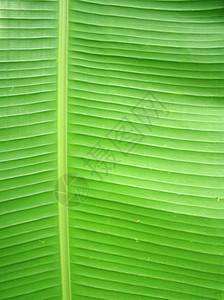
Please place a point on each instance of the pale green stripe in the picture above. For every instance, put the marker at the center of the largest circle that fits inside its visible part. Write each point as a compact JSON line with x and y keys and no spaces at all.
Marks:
{"x":62,"y":149}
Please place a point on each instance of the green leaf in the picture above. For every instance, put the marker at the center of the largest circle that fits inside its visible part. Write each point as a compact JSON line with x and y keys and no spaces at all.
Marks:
{"x":29,"y":213}
{"x":112,"y":135}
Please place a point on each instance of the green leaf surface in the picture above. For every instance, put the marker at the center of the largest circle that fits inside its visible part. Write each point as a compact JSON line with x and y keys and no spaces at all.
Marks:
{"x":29,"y":256}
{"x":112,"y":138}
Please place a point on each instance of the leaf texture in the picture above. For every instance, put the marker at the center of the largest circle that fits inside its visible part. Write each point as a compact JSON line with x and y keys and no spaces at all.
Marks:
{"x":145,"y":131}
{"x":30,"y":267}
{"x":145,"y":137}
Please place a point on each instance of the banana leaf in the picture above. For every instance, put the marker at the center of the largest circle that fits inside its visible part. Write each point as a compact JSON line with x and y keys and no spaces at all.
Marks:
{"x":112,"y":143}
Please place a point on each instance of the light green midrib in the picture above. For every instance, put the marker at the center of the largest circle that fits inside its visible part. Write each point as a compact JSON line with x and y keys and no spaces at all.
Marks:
{"x":62,"y":148}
